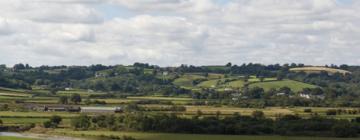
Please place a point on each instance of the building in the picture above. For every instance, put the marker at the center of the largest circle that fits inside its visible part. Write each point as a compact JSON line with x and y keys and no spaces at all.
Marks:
{"x":307,"y":96}
{"x":101,"y":109}
{"x":54,"y":108}
{"x":100,"y":75}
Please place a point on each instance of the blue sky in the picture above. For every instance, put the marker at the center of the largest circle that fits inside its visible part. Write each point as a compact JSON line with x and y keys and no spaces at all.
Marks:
{"x":174,"y":32}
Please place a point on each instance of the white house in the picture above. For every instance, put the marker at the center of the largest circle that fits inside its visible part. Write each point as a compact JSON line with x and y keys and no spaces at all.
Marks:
{"x":307,"y":96}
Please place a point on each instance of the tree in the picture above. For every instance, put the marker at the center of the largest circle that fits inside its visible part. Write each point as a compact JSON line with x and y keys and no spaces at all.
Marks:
{"x":280,"y":76}
{"x":63,"y":100}
{"x":344,"y":129}
{"x":56,"y":119}
{"x":53,"y":122}
{"x":218,"y":114}
{"x":75,"y":98}
{"x":228,"y":64}
{"x":83,"y":122}
{"x":262,"y":79}
{"x":53,"y":91}
{"x":258,"y":115}
{"x":256,"y":92}
{"x":19,"y":66}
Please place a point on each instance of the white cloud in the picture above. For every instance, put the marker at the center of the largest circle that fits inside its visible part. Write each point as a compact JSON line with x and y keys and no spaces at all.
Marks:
{"x":172,"y":32}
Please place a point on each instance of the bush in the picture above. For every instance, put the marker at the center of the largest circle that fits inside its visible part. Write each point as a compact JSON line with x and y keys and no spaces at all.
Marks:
{"x":344,"y":130}
{"x":48,"y":124}
{"x":128,"y":138}
{"x":331,"y":112}
{"x":357,"y":119}
{"x":82,"y":122}
{"x":56,"y":119}
{"x":307,"y":110}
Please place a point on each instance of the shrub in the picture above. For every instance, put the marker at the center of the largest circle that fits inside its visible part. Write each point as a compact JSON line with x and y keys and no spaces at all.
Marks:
{"x":48,"y":124}
{"x":307,"y":110}
{"x":331,"y":112}
{"x":128,"y":138}
{"x":344,"y":130}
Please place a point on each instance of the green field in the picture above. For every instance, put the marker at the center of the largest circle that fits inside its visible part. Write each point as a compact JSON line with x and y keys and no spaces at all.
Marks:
{"x":14,"y":138}
{"x":164,"y":136}
{"x":209,"y":83}
{"x":218,"y":82}
{"x":319,"y":69}
{"x":294,"y":85}
{"x":236,"y":84}
{"x":8,"y":114}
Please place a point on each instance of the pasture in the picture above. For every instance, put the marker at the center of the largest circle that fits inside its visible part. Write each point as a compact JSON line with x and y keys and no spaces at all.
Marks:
{"x":319,"y":69}
{"x":294,"y":85}
{"x":14,"y":138}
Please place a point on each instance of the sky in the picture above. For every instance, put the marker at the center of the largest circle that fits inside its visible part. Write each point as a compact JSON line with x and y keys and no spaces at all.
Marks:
{"x":174,"y":32}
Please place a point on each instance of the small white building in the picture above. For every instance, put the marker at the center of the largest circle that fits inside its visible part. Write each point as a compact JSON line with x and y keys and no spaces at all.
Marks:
{"x":228,"y":89}
{"x":307,"y":96}
{"x":68,"y":88}
{"x":100,"y":75}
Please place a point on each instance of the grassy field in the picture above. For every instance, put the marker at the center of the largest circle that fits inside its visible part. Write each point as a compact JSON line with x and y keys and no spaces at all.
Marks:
{"x":319,"y":69}
{"x":164,"y":136}
{"x":269,"y":112}
{"x":236,"y":84}
{"x":294,"y":85}
{"x":217,"y":81}
{"x":9,"y":114}
{"x":14,"y":138}
{"x":209,"y":83}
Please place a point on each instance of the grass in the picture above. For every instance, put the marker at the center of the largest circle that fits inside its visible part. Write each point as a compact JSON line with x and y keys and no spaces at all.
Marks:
{"x":209,"y":84}
{"x":186,"y":80}
{"x":319,"y":69}
{"x":236,"y":84}
{"x":9,"y":114}
{"x":294,"y":85}
{"x":160,"y":98}
{"x":210,"y":110}
{"x":14,"y":138}
{"x":168,"y":136}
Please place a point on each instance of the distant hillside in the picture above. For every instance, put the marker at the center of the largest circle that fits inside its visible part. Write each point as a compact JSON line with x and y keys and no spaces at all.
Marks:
{"x":221,"y":83}
{"x":319,"y":69}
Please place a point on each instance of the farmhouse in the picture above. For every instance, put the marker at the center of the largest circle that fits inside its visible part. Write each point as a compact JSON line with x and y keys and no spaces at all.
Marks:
{"x":101,"y":109}
{"x":307,"y":96}
{"x":100,"y":75}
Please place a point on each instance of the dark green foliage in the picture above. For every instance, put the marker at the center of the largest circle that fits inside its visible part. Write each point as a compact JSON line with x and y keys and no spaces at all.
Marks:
{"x":75,"y":98}
{"x":344,"y":129}
{"x":236,"y":124}
{"x":53,"y":122}
{"x":307,"y":110}
{"x":83,"y":122}
{"x":63,"y":100}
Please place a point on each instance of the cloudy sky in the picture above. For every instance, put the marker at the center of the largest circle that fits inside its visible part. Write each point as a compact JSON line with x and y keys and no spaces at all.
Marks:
{"x":173,"y":32}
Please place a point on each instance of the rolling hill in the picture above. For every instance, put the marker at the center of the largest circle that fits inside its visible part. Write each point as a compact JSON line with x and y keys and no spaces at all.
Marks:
{"x":319,"y":69}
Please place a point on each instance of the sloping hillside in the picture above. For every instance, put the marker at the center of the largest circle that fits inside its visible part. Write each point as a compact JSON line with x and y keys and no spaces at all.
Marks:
{"x":293,"y":85}
{"x":319,"y":69}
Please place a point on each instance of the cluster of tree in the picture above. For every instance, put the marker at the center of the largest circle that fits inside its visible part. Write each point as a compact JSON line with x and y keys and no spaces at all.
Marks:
{"x":235,"y":124}
{"x":74,"y":98}
{"x":53,"y":122}
{"x":342,"y":111}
